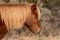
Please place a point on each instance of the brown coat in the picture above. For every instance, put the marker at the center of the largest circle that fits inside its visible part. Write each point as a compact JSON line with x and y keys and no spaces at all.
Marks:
{"x":13,"y":16}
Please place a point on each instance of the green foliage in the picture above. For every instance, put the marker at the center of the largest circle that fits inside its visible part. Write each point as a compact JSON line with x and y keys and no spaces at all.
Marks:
{"x":19,"y":0}
{"x":52,"y":5}
{"x":32,"y":1}
{"x":58,"y":3}
{"x":47,"y":3}
{"x":22,"y":0}
{"x":29,"y":1}
{"x":7,"y":1}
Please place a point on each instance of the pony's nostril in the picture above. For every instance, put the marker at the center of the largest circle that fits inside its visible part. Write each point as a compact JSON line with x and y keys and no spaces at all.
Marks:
{"x":36,"y":32}
{"x":39,"y":32}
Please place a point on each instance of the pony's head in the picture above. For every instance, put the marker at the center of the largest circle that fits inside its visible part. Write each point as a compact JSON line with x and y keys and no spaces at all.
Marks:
{"x":32,"y":21}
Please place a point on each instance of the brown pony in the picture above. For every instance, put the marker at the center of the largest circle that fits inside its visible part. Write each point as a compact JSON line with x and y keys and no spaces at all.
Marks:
{"x":14,"y":16}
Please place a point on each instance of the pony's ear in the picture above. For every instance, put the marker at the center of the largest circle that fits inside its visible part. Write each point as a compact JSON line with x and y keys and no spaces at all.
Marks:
{"x":33,"y":7}
{"x":35,"y":10}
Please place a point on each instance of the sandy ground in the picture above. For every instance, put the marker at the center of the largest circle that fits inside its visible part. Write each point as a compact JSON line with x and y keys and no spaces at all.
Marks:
{"x":25,"y":34}
{"x":50,"y":27}
{"x":16,"y":36}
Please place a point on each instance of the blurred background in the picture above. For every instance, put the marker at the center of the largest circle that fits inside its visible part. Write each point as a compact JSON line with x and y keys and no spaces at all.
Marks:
{"x":50,"y":21}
